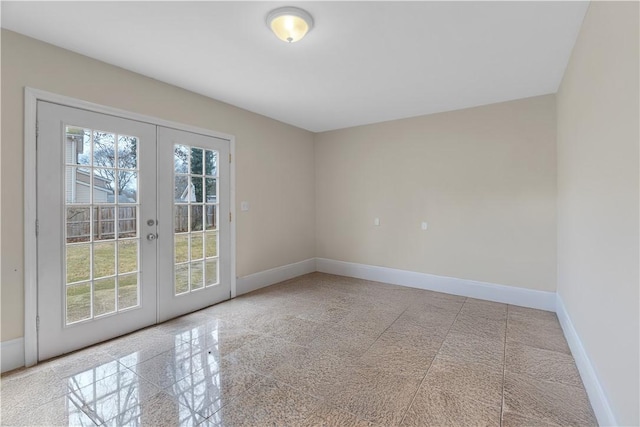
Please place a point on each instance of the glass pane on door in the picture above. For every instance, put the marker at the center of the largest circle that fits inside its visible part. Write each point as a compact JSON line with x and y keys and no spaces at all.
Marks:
{"x":102,"y":223}
{"x":195,"y":204}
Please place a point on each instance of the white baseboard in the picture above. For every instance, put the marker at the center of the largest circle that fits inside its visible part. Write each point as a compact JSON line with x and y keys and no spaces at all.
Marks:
{"x":597,"y":396}
{"x":12,"y":354}
{"x":269,"y":277}
{"x":469,"y":288}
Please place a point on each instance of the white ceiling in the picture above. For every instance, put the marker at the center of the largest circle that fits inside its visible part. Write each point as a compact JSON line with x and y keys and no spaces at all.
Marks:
{"x":364,"y":62}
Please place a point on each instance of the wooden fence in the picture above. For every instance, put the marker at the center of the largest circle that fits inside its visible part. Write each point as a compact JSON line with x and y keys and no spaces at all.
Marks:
{"x":79,"y":221}
{"x":104,"y":221}
{"x":181,"y":218}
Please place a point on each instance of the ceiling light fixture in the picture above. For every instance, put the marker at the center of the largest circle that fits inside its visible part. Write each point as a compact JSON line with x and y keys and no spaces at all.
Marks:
{"x":289,"y":24}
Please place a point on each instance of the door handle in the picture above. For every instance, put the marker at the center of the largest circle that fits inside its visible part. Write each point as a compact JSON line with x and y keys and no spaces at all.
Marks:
{"x":151,"y":237}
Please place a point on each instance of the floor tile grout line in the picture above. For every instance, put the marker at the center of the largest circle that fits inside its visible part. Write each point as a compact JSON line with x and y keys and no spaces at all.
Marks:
{"x":431,"y":364}
{"x":504,"y":365}
{"x":382,"y":333}
{"x":546,"y":381}
{"x":323,"y":399}
{"x":93,"y":416}
{"x":257,"y":383}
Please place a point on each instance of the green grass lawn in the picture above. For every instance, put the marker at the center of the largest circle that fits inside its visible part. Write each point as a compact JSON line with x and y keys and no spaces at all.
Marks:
{"x":79,"y":269}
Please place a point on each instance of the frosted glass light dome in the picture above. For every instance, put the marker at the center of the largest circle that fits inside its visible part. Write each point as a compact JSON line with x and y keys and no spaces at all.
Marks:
{"x":289,"y":24}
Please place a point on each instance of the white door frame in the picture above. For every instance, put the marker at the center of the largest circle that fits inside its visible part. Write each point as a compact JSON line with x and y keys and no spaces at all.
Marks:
{"x":31,"y":98}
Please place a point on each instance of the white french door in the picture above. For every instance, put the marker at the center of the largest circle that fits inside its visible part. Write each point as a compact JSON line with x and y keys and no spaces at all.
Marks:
{"x":193,"y":216}
{"x":128,"y":225}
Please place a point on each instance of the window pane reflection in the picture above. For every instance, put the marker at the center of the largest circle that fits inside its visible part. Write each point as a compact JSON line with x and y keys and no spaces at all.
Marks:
{"x":184,"y":383}
{"x":108,"y":393}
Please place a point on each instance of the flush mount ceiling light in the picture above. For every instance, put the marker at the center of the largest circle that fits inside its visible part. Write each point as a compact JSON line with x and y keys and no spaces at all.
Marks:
{"x":289,"y":24}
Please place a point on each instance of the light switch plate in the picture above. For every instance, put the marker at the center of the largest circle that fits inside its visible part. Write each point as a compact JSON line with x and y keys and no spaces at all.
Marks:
{"x":244,"y":206}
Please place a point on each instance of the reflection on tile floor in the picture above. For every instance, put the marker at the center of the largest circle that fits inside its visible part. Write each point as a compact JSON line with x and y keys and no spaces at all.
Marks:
{"x":316,"y":350}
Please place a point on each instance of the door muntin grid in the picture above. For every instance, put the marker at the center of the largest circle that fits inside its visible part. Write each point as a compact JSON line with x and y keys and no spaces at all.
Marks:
{"x":195,"y":217}
{"x":102,"y":243}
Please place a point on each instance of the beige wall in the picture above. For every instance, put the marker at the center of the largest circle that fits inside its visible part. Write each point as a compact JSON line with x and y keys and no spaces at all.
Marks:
{"x":598,"y":194}
{"x":484,"y":179}
{"x":274,"y":161}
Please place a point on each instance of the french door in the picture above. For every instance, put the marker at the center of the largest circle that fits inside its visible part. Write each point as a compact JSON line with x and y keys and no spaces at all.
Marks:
{"x":129,"y":225}
{"x":194,"y":196}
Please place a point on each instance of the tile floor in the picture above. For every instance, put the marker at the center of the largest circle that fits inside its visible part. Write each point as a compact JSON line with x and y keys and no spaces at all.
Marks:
{"x":317,"y":350}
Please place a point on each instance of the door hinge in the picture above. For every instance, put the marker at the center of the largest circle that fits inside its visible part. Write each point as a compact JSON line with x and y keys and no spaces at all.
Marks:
{"x":37,"y":129}
{"x":37,"y":227}
{"x":229,"y":157}
{"x":229,"y":216}
{"x":37,"y":323}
